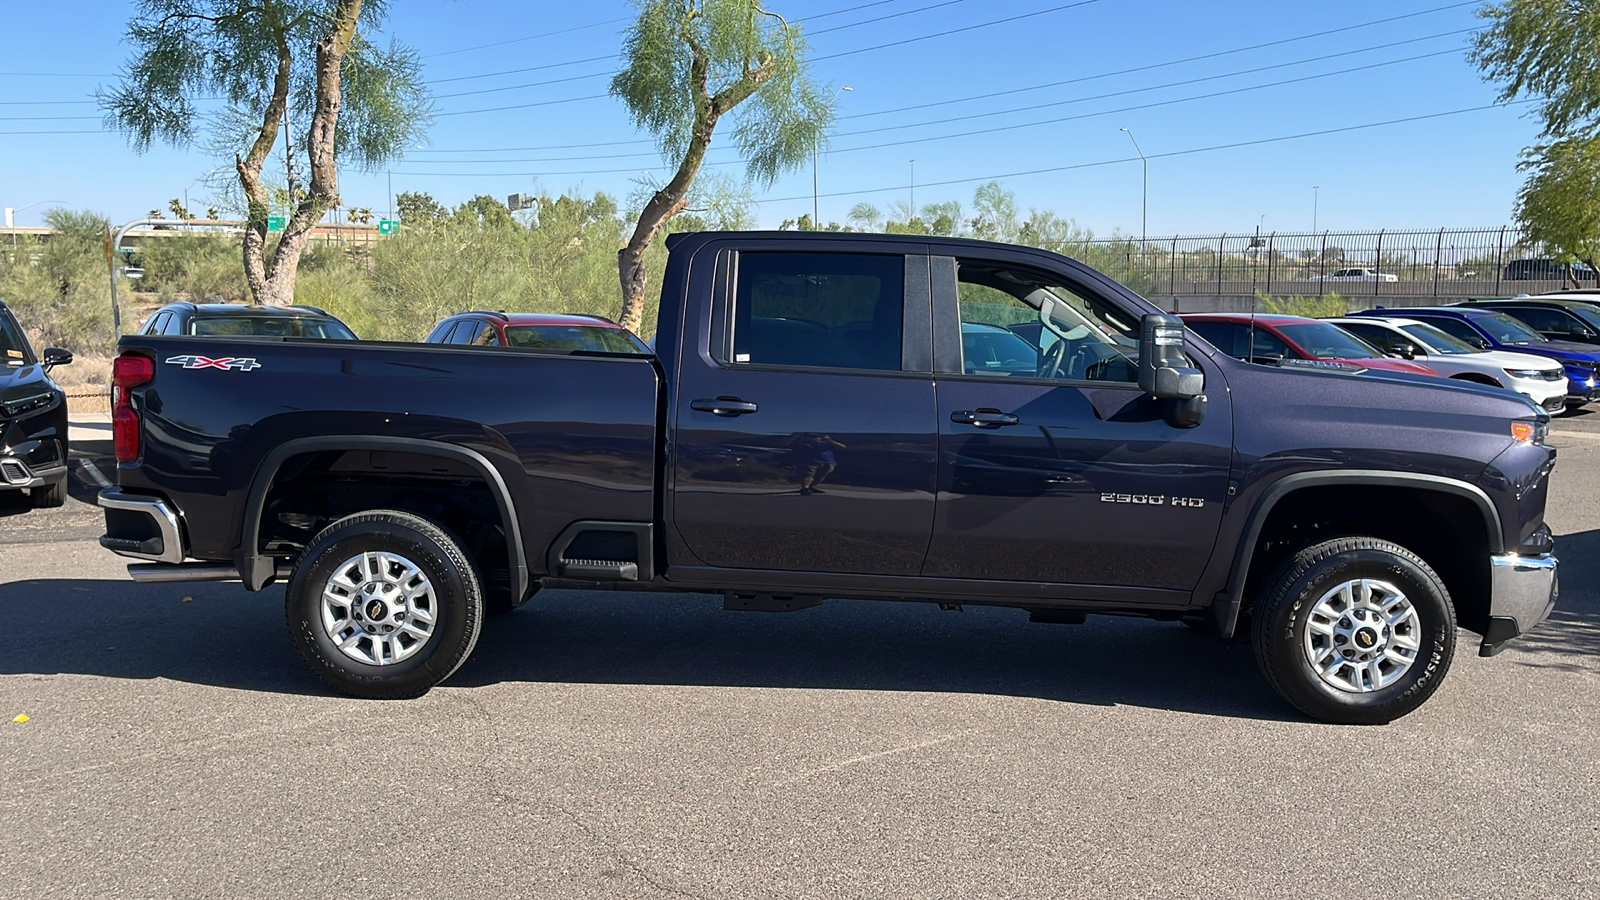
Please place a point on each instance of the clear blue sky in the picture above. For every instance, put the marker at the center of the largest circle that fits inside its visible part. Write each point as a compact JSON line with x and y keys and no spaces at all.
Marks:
{"x":1455,"y":170}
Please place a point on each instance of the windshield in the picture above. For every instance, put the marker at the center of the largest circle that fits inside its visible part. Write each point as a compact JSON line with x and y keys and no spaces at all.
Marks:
{"x":1588,"y":314}
{"x":574,"y":337}
{"x":1325,"y":341}
{"x":271,"y":326}
{"x":1437,"y":341}
{"x":12,"y":345}
{"x":1506,"y":330}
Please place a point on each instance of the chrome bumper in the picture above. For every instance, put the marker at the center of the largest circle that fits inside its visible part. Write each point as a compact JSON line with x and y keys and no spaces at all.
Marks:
{"x":161,"y":540}
{"x":1523,"y":592}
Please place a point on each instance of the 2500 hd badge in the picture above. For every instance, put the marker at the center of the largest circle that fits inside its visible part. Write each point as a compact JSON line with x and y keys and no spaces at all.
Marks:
{"x":1153,"y":500}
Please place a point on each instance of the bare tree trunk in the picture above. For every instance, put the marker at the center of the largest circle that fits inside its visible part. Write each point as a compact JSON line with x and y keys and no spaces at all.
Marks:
{"x":278,"y":288}
{"x":259,"y":203}
{"x":670,"y":200}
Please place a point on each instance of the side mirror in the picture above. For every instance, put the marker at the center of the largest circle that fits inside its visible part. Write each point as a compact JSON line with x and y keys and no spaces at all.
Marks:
{"x":1404,"y":351}
{"x":55,"y":356}
{"x":1165,"y":372}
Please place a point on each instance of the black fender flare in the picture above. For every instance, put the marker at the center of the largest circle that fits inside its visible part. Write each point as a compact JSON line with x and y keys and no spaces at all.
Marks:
{"x":257,"y":571}
{"x":1224,"y":609}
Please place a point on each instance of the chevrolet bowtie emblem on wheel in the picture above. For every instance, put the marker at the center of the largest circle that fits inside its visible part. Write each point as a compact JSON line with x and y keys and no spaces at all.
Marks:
{"x":236,"y":363}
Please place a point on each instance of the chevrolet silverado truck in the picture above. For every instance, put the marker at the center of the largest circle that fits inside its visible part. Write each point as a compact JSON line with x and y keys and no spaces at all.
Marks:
{"x":846,"y":416}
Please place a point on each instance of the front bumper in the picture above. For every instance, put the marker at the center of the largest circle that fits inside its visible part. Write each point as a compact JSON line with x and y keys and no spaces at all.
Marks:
{"x":1523,"y":591}
{"x":16,"y":474}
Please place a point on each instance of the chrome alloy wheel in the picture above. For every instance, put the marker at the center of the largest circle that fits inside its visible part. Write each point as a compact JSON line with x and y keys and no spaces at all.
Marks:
{"x":1363,"y":635}
{"x":379,"y":608}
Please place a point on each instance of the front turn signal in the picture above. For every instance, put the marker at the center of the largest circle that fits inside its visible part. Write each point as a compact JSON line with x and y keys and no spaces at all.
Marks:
{"x":1530,"y":432}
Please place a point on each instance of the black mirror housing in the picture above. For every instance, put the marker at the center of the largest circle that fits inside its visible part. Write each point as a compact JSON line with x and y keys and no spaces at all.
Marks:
{"x":1164,"y":370}
{"x":55,"y":356}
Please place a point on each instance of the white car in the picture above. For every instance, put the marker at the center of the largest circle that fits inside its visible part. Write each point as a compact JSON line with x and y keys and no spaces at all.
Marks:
{"x":1356,"y":275}
{"x":1540,"y":379}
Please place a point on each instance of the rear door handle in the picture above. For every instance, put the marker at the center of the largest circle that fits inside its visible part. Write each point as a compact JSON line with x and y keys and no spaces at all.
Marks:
{"x":724,"y":406}
{"x":983,"y":418}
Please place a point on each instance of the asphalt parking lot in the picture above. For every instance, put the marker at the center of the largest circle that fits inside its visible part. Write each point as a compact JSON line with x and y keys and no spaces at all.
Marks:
{"x":613,"y":745}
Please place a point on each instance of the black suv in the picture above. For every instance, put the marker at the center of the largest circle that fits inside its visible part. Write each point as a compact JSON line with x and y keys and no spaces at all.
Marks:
{"x":1557,"y":320}
{"x":246,"y":320}
{"x":1545,"y":270}
{"x":33,"y":418}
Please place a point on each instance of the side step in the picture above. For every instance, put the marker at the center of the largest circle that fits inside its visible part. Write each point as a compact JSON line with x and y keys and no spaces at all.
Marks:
{"x":600,"y":569}
{"x":147,"y":573}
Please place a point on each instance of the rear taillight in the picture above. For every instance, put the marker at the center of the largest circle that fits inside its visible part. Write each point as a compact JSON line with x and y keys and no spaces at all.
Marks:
{"x":127,"y":373}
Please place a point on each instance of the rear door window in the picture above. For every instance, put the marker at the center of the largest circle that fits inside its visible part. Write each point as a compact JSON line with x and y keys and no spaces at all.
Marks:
{"x":827,"y":310}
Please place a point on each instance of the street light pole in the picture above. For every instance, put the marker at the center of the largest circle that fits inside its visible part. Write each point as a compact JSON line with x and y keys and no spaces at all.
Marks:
{"x":11,"y":213}
{"x":1144,"y":216}
{"x":816,"y":217}
{"x":913,"y":189}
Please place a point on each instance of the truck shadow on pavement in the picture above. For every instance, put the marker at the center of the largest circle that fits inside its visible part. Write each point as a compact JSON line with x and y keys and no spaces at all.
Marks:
{"x":224,"y":637}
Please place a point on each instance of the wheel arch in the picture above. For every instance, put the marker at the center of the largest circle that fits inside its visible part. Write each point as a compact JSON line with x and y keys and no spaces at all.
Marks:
{"x":1476,"y":378}
{"x":257,"y":570}
{"x":1225,"y":609}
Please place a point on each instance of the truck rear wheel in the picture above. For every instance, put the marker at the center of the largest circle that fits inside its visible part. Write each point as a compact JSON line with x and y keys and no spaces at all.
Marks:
{"x":1355,"y":631}
{"x":384,"y":605}
{"x":49,"y":496}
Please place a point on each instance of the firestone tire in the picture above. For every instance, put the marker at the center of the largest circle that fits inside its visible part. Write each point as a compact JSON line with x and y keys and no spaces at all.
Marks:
{"x":384,"y":605}
{"x":1355,"y":631}
{"x":49,"y":496}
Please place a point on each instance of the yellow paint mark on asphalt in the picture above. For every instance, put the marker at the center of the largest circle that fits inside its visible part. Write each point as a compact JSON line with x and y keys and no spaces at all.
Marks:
{"x":22,"y":717}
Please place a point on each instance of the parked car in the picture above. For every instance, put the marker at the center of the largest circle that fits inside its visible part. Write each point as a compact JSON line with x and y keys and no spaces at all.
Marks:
{"x":1278,"y":338}
{"x":1356,"y":275}
{"x":811,"y":429}
{"x":567,"y":331}
{"x":1545,"y":270}
{"x":1489,"y":329}
{"x":1539,"y":378}
{"x":245,"y":320}
{"x":33,"y":417}
{"x":1556,"y":319}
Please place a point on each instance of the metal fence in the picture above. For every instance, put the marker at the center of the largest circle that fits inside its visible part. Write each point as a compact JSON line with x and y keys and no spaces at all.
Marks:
{"x":1443,"y":262}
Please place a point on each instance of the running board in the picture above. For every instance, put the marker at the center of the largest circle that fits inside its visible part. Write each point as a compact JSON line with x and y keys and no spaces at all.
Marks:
{"x":600,"y":570}
{"x":147,"y":573}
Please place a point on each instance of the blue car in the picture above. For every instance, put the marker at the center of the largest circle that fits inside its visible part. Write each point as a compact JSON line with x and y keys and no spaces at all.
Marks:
{"x":1493,"y":330}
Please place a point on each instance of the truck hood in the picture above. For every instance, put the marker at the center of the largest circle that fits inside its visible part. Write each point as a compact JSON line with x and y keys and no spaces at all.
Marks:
{"x":1570,"y":351}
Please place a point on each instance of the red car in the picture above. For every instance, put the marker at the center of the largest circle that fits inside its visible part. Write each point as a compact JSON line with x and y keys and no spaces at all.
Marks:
{"x":566,"y":331}
{"x":1293,"y":337}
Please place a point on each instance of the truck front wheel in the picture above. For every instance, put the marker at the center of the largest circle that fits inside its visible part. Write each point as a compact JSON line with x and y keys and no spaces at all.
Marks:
{"x":384,"y":605}
{"x":1355,"y":631}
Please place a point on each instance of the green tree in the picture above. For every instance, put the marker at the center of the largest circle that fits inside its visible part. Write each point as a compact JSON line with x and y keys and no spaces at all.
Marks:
{"x":418,"y":208}
{"x":303,"y":69}
{"x":996,"y":208}
{"x":866,"y":217}
{"x":1557,"y":203}
{"x":689,"y":63}
{"x":1544,"y":49}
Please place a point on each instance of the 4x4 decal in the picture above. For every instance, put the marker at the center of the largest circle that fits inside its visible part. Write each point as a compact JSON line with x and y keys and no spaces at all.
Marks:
{"x":236,"y":363}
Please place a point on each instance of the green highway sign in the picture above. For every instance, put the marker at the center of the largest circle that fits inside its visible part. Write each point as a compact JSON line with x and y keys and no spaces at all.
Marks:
{"x":275,"y":223}
{"x":388,"y":226}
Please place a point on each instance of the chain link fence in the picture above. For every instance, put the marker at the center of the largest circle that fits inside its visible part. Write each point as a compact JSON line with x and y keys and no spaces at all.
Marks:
{"x":1444,"y":263}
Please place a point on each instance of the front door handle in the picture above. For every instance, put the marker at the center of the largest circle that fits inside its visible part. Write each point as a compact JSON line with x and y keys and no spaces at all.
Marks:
{"x":983,"y":418}
{"x":724,"y":406}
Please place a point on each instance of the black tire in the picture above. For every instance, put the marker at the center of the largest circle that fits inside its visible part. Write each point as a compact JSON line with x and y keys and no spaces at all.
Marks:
{"x":1283,"y":614}
{"x":457,"y":604}
{"x":49,"y":496}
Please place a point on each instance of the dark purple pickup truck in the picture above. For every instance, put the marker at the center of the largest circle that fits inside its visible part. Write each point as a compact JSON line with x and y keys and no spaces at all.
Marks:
{"x":847,"y":416}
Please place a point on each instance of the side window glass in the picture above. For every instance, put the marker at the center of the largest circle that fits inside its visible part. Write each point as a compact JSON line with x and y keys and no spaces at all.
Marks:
{"x":1018,"y":322}
{"x":830,"y":310}
{"x":156,"y":323}
{"x":1456,"y":329}
{"x":1269,"y":346}
{"x":465,"y":332}
{"x":1229,"y":337}
{"x":487,"y":336}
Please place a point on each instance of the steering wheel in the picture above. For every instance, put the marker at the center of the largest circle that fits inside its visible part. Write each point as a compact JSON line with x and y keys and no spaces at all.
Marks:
{"x":1050,"y":362}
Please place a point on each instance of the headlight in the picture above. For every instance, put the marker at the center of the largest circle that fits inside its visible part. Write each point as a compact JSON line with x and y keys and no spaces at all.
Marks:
{"x":24,"y":405}
{"x":1530,"y":431}
{"x":1525,"y":373}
